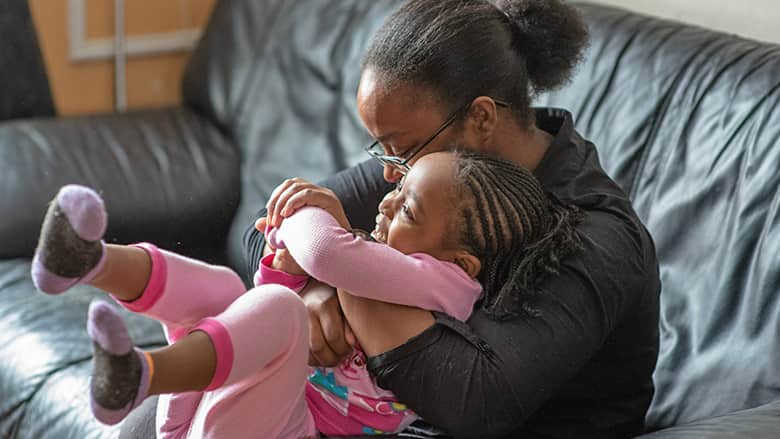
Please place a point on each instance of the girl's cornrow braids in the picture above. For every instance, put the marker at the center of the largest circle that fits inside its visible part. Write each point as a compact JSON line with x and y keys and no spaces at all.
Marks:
{"x":519,"y":234}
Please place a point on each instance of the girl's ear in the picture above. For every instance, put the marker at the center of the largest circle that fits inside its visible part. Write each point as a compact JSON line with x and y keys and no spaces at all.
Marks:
{"x":468,"y":262}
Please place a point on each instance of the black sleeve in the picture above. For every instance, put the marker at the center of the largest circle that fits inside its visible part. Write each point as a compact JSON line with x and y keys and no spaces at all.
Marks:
{"x":360,"y":189}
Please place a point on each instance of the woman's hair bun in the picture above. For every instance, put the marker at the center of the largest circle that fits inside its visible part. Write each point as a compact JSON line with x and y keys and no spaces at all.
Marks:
{"x":552,"y":37}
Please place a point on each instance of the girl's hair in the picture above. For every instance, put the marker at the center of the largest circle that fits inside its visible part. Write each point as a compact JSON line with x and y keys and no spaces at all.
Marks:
{"x":462,"y":49}
{"x":519,"y":233}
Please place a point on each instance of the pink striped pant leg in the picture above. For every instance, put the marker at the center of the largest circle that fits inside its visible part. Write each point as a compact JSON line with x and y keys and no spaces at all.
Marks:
{"x":182,"y":291}
{"x":262,"y":344}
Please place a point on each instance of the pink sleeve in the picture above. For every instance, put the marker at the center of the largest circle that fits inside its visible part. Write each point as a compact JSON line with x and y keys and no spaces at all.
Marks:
{"x":267,"y":275}
{"x":376,"y":271}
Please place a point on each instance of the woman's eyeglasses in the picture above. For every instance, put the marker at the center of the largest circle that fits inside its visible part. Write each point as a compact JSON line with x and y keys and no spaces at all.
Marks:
{"x":401,"y":163}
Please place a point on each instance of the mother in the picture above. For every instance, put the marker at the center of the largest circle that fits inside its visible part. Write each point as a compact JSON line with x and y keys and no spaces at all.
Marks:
{"x":580,"y":364}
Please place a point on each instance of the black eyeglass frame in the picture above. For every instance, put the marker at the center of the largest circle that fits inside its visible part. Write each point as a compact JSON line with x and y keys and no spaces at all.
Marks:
{"x":402,"y":164}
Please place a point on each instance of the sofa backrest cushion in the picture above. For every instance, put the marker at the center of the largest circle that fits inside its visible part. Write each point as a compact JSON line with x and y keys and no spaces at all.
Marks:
{"x":685,"y":120}
{"x":280,"y":78}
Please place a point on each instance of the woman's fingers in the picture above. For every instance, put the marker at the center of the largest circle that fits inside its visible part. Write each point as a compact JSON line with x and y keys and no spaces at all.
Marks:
{"x":332,"y":323}
{"x":284,"y":196}
{"x":270,"y":205}
{"x":318,"y":197}
{"x":308,"y":197}
{"x":261,"y":224}
{"x":327,"y":344}
{"x":316,"y":343}
{"x":349,"y":336}
{"x":319,"y":349}
{"x":295,"y":193}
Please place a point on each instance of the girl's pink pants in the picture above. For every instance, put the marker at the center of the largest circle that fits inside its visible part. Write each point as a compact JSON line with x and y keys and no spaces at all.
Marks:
{"x":261,"y":340}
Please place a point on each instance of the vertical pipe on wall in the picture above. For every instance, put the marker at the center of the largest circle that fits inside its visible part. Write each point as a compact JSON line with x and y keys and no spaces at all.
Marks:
{"x":120,"y":55}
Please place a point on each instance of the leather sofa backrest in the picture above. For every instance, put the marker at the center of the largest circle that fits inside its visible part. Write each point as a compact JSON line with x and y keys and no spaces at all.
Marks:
{"x":682,"y":117}
{"x":685,"y":120}
{"x":280,"y":78}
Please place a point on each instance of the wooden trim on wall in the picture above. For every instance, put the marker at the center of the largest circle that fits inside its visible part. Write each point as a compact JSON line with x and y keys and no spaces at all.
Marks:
{"x":84,"y":49}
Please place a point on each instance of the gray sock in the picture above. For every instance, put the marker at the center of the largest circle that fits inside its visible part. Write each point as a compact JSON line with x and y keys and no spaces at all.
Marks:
{"x":116,"y":378}
{"x":61,"y":250}
{"x":121,"y":373}
{"x":70,"y":248}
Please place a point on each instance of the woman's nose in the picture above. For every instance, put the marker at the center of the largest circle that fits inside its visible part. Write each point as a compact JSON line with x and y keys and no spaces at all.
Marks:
{"x":392,"y":174}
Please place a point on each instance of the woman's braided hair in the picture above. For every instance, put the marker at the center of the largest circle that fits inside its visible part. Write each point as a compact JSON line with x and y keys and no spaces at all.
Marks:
{"x":519,"y":233}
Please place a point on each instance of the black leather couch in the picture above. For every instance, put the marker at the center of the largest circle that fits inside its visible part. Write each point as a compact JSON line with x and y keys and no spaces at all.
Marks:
{"x":684,"y":120}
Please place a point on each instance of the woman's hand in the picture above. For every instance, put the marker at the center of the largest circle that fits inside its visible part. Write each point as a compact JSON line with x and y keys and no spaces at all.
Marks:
{"x":295,"y":193}
{"x":330,"y":336}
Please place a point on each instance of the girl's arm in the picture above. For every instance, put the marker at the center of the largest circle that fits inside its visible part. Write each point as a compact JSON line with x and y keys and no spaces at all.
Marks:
{"x":359,"y":189}
{"x":376,"y":271}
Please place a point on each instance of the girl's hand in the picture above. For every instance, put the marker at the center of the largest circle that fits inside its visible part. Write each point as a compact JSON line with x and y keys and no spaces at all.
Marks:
{"x":295,"y":193}
{"x":283,"y":261}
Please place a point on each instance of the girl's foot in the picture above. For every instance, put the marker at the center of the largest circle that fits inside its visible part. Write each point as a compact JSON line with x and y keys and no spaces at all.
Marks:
{"x":70,"y":250}
{"x":121,"y":373}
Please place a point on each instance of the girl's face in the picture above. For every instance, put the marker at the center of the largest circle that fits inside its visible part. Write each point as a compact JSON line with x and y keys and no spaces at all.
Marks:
{"x":417,"y":217}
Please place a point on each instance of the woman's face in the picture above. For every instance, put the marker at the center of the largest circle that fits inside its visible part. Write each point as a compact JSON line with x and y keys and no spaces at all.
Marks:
{"x":403,"y":119}
{"x":416,"y":217}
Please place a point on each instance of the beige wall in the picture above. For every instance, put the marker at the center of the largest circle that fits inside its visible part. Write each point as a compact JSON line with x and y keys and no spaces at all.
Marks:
{"x":756,"y":19}
{"x":88,"y":86}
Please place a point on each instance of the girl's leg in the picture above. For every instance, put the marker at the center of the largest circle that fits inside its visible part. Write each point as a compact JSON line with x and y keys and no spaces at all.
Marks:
{"x":71,"y":251}
{"x":251,"y":358}
{"x":124,"y":376}
{"x":125,"y":272}
{"x":258,"y":389}
{"x":176,"y":290}
{"x":183,"y":291}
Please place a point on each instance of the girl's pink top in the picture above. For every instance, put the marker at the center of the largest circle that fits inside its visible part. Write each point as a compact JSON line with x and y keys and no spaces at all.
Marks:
{"x":345,"y":400}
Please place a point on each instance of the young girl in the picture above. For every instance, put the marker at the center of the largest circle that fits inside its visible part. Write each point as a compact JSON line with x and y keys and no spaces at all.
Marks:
{"x":236,"y":365}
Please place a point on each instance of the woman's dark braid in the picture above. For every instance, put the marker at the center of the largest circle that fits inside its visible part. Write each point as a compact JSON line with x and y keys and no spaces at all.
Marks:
{"x":518,"y":233}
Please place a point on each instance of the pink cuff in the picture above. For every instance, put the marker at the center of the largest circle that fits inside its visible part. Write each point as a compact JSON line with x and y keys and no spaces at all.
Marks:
{"x":156,"y":284}
{"x":222,"y":345}
{"x":268,"y":275}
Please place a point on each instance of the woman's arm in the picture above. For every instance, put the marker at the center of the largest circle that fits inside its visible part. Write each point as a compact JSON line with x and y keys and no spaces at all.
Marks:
{"x":589,"y":351}
{"x":381,"y":326}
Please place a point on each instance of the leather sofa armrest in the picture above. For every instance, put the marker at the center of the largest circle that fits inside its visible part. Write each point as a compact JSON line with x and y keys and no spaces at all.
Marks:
{"x":167,"y":176}
{"x":761,"y":422}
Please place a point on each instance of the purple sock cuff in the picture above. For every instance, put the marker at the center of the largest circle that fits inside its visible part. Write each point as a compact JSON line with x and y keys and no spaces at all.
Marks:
{"x":223,"y":347}
{"x":143,"y":386}
{"x":156,"y":284}
{"x":97,"y":268}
